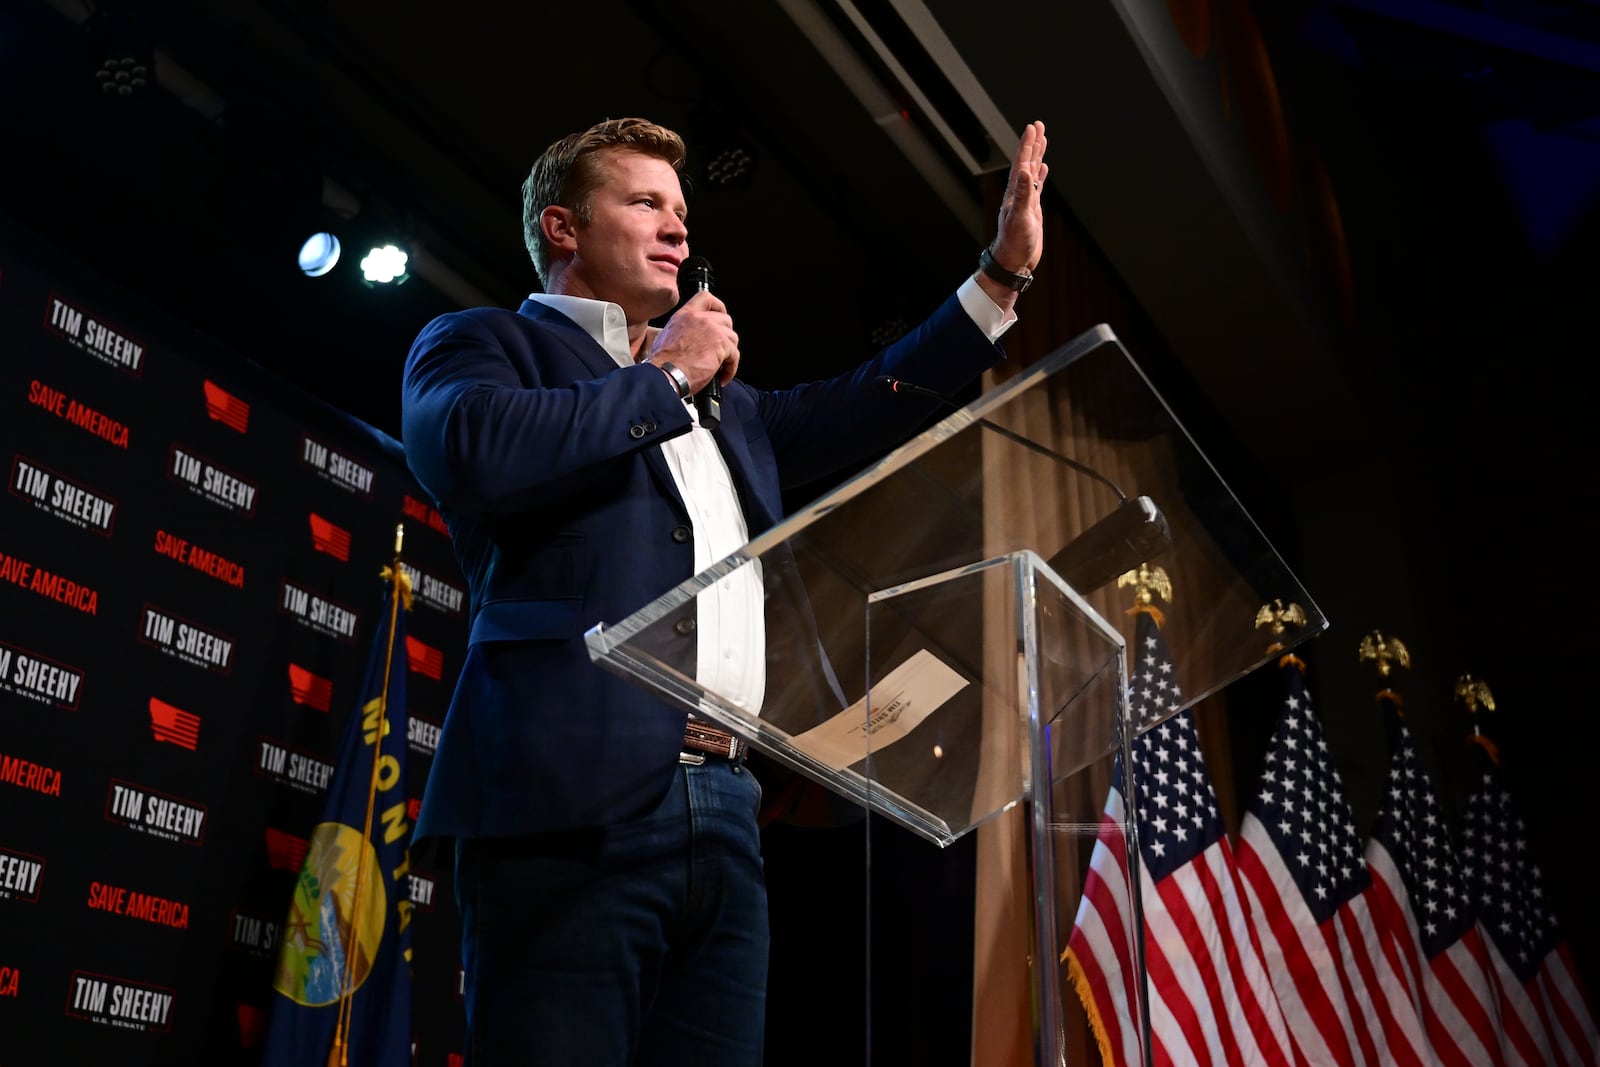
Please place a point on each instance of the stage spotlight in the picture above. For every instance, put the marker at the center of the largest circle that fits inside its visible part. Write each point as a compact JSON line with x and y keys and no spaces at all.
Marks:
{"x":730,"y":167}
{"x":122,"y":76}
{"x":121,"y":49}
{"x":319,"y":254}
{"x":384,"y":265}
{"x":727,"y":158}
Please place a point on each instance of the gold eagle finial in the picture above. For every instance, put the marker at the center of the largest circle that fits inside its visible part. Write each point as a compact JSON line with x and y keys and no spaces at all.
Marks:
{"x":1278,"y":616}
{"x":395,"y":573}
{"x":1386,"y":652}
{"x":1148,"y":583}
{"x":1474,"y":693}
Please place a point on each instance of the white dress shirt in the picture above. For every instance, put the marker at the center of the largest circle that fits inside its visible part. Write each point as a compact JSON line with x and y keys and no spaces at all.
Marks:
{"x":730,"y":624}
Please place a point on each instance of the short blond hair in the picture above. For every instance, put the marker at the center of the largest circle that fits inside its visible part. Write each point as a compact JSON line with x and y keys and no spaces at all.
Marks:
{"x":568,"y":172}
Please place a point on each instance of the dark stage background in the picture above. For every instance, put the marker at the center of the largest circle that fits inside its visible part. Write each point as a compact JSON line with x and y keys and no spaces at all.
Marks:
{"x":1360,"y":232}
{"x":189,"y":560}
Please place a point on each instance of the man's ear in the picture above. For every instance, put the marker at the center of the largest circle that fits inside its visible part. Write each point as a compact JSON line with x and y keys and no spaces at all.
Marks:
{"x":560,"y":227}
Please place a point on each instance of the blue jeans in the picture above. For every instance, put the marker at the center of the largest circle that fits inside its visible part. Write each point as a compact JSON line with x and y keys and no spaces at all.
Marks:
{"x":637,"y":945}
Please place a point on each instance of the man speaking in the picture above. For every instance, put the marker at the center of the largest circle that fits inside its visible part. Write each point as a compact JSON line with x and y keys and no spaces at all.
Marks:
{"x":608,"y":858}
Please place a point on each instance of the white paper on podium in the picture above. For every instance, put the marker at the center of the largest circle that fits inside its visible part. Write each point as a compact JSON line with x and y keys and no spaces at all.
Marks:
{"x":902,"y":699}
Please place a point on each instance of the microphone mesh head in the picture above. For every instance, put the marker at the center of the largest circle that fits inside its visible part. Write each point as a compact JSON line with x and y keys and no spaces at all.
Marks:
{"x":694,"y":274}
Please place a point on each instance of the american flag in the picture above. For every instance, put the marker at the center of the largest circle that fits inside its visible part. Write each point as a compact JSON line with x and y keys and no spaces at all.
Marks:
{"x":1544,"y":1013}
{"x":1308,"y":892}
{"x":1420,"y":901}
{"x":1209,"y":996}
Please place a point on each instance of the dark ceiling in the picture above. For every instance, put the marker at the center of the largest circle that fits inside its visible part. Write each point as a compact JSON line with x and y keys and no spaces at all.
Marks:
{"x":1456,"y":144}
{"x":199,"y":191}
{"x":1459,"y":141}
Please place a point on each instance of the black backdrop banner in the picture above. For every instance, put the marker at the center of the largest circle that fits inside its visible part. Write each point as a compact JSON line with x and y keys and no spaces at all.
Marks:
{"x":190,"y":552}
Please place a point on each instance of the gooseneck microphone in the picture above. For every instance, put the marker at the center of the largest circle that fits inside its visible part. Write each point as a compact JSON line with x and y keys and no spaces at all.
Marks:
{"x":694,"y":276}
{"x":1114,"y":544}
{"x":898,"y":385}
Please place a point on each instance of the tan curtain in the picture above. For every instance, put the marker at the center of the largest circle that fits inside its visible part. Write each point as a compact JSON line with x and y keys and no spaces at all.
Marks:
{"x":1075,"y":290}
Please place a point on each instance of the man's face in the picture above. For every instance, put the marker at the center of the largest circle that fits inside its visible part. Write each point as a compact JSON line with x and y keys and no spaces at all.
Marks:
{"x":629,"y":251}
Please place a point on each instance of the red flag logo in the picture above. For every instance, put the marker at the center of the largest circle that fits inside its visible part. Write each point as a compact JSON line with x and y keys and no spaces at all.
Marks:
{"x":226,"y":408}
{"x":286,"y":851}
{"x":310,"y":689}
{"x":425,"y":659}
{"x":174,"y":725}
{"x":252,"y":1025}
{"x":330,"y":539}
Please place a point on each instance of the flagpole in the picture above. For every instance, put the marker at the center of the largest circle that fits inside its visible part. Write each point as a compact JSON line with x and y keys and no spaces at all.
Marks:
{"x":1474,"y":695}
{"x":339,"y":1054}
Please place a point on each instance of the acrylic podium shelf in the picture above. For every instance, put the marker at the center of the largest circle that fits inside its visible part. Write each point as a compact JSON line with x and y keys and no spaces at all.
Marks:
{"x":964,"y":590}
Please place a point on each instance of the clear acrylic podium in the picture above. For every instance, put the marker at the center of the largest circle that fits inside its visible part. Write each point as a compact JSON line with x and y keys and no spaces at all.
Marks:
{"x":944,"y":638}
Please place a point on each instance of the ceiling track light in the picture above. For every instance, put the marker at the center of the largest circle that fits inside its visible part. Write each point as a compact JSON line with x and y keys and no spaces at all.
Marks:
{"x":121,"y":50}
{"x":319,"y":254}
{"x":385,"y":265}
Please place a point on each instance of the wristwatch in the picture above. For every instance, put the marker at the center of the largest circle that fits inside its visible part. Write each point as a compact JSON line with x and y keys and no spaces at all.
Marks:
{"x":679,"y":379}
{"x":987,"y":264}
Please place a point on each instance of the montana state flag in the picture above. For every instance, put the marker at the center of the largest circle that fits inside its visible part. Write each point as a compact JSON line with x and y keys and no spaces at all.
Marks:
{"x":348,"y":929}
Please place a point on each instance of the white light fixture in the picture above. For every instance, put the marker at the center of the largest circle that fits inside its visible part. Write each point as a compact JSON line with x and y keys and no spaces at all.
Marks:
{"x":319,"y":254}
{"x":384,"y":265}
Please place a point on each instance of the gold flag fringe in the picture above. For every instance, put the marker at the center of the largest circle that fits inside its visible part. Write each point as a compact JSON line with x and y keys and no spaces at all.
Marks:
{"x":1085,"y":990}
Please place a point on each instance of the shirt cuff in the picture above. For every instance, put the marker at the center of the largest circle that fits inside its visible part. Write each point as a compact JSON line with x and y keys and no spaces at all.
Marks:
{"x":983,"y":311}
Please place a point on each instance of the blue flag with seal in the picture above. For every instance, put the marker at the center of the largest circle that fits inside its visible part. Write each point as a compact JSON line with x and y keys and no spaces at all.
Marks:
{"x":342,"y":987}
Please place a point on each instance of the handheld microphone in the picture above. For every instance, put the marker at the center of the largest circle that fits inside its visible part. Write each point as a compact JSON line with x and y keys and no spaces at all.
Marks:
{"x":1114,"y":544}
{"x":694,"y":276}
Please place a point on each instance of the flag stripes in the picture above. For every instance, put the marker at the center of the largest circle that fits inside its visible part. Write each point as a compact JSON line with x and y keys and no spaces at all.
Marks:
{"x":1302,"y":946}
{"x":1210,"y":1001}
{"x":1316,"y":1013}
{"x":1438,"y":989}
{"x":1543,"y":1009}
{"x":1100,"y":954}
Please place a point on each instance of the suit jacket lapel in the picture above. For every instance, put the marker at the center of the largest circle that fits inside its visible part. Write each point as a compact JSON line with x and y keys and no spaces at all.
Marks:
{"x":599,"y":363}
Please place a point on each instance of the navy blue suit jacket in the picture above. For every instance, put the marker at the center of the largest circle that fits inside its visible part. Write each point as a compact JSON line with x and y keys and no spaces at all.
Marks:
{"x":542,"y":455}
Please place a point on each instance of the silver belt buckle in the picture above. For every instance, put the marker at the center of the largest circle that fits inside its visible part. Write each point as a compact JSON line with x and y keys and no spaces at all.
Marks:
{"x":693,"y":759}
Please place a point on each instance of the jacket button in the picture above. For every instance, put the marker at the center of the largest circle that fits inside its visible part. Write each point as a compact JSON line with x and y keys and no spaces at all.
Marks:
{"x":636,"y":432}
{"x":649,"y":427}
{"x":684,"y":626}
{"x":681,"y":534}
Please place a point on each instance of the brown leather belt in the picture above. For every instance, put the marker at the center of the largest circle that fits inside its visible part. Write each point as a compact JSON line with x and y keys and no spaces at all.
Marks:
{"x":701,"y":739}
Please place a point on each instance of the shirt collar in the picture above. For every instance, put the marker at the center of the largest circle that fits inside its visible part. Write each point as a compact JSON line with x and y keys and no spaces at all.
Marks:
{"x":600,"y":319}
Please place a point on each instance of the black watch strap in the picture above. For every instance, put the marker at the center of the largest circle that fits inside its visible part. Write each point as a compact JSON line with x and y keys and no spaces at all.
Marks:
{"x":987,"y":264}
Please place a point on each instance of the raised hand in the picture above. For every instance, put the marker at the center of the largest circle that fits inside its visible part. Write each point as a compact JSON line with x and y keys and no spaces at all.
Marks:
{"x":1019,"y":240}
